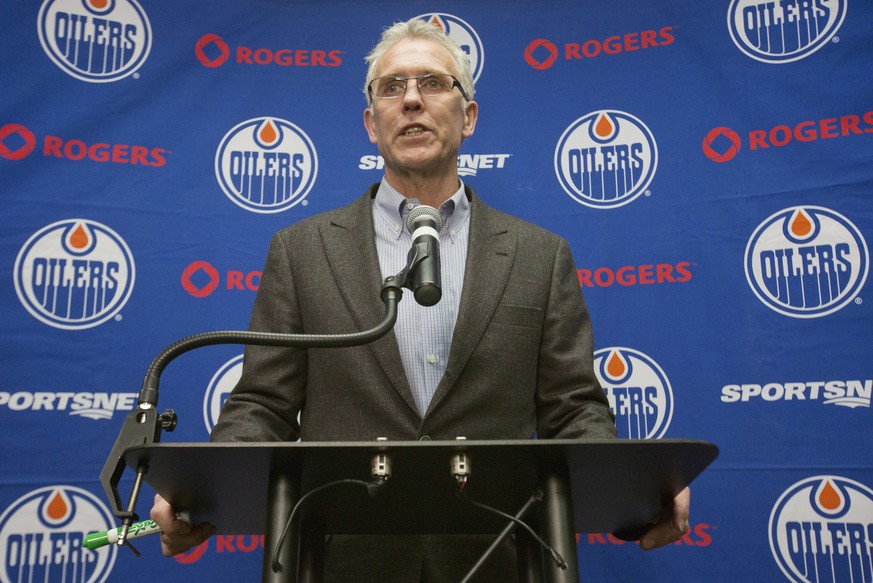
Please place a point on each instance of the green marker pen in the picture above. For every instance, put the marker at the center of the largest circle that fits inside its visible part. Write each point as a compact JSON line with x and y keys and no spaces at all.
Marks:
{"x":96,"y":540}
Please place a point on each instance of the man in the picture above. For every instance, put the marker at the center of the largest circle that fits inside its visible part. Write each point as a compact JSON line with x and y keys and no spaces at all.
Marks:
{"x":506,"y":353}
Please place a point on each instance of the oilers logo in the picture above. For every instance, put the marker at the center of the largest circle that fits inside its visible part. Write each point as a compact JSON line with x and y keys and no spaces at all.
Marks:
{"x":821,"y":531}
{"x":41,"y":537}
{"x":806,"y":262}
{"x":639,"y":392}
{"x":463,"y":34}
{"x":74,"y":274}
{"x":95,"y":40}
{"x":266,"y":165}
{"x":782,"y":31}
{"x":606,"y":159}
{"x":222,"y":383}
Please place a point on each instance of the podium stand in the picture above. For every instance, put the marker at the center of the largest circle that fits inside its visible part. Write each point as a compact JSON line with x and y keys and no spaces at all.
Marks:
{"x":588,"y":486}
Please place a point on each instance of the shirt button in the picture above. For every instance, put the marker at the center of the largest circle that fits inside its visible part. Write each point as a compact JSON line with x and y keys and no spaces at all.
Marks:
{"x":410,"y":205}
{"x":432,"y":358}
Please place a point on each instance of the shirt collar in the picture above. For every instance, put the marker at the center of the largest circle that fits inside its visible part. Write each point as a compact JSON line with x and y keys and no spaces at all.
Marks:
{"x":393,"y":207}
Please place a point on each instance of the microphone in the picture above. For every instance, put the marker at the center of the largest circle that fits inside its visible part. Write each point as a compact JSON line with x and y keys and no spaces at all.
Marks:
{"x":424,"y":222}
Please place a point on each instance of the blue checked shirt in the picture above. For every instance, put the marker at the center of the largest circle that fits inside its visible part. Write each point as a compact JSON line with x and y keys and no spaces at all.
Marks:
{"x":424,"y":334}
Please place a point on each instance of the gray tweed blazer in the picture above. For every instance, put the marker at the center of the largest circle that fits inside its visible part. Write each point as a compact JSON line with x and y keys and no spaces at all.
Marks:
{"x":520,"y":365}
{"x":521,"y":356}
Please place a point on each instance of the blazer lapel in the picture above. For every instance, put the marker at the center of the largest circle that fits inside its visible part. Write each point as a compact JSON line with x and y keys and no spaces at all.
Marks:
{"x":490,"y":254}
{"x":349,"y":243}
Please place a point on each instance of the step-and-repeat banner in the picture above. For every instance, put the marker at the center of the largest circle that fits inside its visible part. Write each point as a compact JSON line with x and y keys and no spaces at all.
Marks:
{"x":710,"y":163}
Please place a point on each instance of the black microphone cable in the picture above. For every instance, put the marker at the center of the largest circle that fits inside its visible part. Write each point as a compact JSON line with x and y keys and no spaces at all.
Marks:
{"x":537,"y":496}
{"x":372,"y":487}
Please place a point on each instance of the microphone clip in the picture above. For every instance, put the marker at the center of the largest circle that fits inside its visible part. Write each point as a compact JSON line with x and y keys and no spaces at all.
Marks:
{"x":422,"y":273}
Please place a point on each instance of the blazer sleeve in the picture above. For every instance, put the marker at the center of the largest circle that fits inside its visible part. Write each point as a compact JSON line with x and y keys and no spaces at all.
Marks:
{"x":265,"y":403}
{"x":570,"y":400}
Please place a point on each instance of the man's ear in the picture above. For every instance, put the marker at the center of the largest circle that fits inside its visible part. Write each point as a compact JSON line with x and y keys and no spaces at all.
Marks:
{"x":370,"y":124}
{"x":471,"y":114}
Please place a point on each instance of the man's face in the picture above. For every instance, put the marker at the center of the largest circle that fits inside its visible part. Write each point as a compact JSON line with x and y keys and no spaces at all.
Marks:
{"x":418,"y":135}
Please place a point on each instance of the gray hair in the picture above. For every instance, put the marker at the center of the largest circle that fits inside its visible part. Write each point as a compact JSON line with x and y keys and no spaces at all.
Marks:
{"x":419,"y":29}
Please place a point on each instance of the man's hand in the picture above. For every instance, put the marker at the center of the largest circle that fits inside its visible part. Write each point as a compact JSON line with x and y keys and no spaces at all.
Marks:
{"x":671,"y":524}
{"x":178,"y":536}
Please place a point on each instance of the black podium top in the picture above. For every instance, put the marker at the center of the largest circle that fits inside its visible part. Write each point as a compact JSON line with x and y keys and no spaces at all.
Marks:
{"x":616,"y":484}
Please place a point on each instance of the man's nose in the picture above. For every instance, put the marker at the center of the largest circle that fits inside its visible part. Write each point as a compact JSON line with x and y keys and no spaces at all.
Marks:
{"x":412,"y":97}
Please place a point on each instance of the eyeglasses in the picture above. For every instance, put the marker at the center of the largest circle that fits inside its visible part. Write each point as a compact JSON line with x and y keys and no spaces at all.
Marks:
{"x":428,"y":84}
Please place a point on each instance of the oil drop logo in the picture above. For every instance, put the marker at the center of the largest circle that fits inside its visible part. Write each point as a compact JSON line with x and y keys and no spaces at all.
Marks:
{"x":821,"y":530}
{"x":606,"y":159}
{"x":266,"y":165}
{"x":98,"y":41}
{"x":74,"y":274}
{"x":41,"y":537}
{"x":638,"y":391}
{"x":806,"y":262}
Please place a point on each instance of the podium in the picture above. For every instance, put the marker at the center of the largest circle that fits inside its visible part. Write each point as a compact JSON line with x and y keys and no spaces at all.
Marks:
{"x":592,"y":486}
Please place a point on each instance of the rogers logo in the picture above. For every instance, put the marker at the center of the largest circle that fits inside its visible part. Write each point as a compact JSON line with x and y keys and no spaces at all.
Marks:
{"x":17,"y":142}
{"x":697,"y":536}
{"x":630,"y":275}
{"x":205,"y":44}
{"x":541,"y":53}
{"x":547,"y":46}
{"x":722,"y":144}
{"x":201,"y":279}
{"x":224,"y":543}
{"x":192,"y":555}
{"x":212,"y":51}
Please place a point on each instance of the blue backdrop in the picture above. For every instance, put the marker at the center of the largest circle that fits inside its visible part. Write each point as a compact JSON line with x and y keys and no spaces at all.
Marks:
{"x":709,"y":162}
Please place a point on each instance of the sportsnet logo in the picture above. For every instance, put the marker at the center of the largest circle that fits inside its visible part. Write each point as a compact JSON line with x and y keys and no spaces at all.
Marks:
{"x":783,"y":31}
{"x":97,"y":406}
{"x":849,"y":393}
{"x":468,"y":164}
{"x":606,"y":159}
{"x":821,"y":531}
{"x":41,"y":537}
{"x":464,"y":35}
{"x":95,"y":40}
{"x":639,"y":392}
{"x":806,"y":262}
{"x":74,"y":274}
{"x":266,"y":165}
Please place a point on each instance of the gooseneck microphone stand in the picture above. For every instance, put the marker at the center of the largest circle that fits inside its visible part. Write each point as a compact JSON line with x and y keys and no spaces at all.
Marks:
{"x":143,"y":425}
